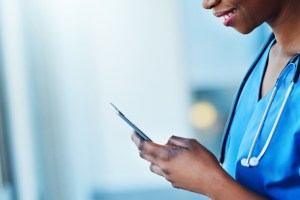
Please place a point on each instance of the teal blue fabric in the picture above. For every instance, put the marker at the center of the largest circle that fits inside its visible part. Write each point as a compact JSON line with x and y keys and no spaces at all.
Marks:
{"x":278,"y":174}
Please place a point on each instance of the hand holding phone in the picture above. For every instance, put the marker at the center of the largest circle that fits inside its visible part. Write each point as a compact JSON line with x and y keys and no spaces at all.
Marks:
{"x":139,"y":132}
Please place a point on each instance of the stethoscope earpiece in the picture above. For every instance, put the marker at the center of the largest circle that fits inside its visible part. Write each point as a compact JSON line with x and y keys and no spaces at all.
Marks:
{"x":252,"y":162}
{"x":244,"y":162}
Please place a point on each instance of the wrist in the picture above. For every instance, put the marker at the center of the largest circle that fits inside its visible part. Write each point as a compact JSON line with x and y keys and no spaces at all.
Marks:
{"x":225,"y":187}
{"x":220,"y":184}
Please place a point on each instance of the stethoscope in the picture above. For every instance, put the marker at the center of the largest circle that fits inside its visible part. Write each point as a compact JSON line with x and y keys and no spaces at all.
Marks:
{"x":251,"y":160}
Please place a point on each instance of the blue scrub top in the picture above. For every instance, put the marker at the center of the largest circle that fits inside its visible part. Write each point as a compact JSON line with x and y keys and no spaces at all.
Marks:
{"x":277,"y":175}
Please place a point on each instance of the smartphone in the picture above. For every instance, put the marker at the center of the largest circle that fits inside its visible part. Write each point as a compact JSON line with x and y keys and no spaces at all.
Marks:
{"x":143,"y":135}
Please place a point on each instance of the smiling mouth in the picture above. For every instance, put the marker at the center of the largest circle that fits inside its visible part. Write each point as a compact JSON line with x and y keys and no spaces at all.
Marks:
{"x":226,"y":16}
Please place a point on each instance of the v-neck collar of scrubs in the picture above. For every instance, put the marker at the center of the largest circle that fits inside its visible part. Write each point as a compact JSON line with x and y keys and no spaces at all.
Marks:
{"x":263,"y":73}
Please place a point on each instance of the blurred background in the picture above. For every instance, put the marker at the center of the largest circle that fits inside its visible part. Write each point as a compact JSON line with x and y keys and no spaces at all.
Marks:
{"x":169,"y":65}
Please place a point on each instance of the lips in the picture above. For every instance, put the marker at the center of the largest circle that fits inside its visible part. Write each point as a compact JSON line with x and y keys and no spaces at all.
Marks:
{"x":226,"y":16}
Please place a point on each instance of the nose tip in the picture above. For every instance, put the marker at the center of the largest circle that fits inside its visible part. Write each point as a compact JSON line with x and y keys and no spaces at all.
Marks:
{"x":209,"y":4}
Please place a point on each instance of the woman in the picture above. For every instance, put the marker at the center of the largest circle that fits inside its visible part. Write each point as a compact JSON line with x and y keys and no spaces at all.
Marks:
{"x":275,"y":174}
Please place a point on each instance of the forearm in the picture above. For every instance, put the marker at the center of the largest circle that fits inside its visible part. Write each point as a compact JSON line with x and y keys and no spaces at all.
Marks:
{"x":227,"y":189}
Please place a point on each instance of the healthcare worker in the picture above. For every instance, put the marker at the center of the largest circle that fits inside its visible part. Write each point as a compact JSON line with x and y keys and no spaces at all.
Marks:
{"x":261,"y":150}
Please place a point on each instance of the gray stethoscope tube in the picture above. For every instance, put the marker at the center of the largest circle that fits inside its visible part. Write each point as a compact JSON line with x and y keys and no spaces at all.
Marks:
{"x":252,"y":161}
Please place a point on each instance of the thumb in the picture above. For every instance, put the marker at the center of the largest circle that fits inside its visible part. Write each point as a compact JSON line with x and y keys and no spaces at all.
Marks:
{"x":180,"y":142}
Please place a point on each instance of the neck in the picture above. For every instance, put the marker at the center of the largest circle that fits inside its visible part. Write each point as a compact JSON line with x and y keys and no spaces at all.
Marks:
{"x":286,"y":27}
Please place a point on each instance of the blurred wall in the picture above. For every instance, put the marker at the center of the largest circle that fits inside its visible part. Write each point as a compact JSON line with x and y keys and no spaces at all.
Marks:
{"x":81,"y":55}
{"x":16,"y":101}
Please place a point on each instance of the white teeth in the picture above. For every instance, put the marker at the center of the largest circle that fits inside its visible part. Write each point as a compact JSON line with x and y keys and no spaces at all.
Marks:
{"x":225,"y":17}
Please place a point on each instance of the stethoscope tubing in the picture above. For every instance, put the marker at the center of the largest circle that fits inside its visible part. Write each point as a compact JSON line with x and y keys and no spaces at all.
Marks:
{"x":237,"y":97}
{"x":277,"y":120}
{"x":261,"y":124}
{"x":253,"y":161}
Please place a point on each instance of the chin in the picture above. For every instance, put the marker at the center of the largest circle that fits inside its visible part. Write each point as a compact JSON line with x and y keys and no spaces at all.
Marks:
{"x":244,"y":30}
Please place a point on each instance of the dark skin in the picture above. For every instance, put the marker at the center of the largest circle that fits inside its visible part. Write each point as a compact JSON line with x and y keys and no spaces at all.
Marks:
{"x":185,"y":162}
{"x":188,"y":165}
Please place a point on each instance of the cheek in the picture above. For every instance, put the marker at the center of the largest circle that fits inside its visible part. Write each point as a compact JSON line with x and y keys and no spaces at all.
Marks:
{"x":252,"y":13}
{"x":246,"y":21}
{"x":246,"y":27}
{"x":234,"y":2}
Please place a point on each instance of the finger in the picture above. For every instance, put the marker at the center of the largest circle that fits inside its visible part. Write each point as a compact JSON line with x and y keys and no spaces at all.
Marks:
{"x":180,"y":142}
{"x":152,"y":152}
{"x":156,"y":150}
{"x":146,"y":146}
{"x":156,"y":169}
{"x":149,"y":158}
{"x":137,"y":140}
